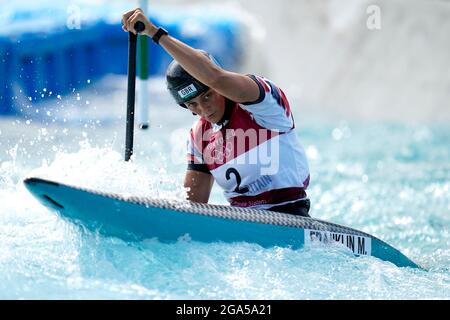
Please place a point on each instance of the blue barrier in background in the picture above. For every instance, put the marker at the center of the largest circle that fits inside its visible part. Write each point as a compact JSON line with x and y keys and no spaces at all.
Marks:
{"x":35,"y":65}
{"x":5,"y":64}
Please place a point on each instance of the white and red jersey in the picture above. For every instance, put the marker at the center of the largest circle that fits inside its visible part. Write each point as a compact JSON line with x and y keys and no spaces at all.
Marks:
{"x":255,"y":156}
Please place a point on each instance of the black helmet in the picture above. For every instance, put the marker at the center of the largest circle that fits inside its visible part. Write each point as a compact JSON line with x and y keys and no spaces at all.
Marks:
{"x":182,"y":86}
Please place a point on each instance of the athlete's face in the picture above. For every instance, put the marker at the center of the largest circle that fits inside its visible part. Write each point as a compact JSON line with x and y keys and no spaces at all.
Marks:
{"x":209,"y":105}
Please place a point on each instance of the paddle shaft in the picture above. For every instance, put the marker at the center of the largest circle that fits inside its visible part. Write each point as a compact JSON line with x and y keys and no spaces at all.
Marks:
{"x":131,"y":90}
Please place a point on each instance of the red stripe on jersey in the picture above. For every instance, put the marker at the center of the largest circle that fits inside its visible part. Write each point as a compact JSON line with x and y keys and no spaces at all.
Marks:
{"x":263,"y":83}
{"x":196,"y":137}
{"x":190,"y":158}
{"x":306,"y":182}
{"x":270,"y":197}
{"x":240,"y":136}
{"x":285,"y":102}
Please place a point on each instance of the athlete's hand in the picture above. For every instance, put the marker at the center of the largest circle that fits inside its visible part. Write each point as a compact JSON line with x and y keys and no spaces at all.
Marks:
{"x":130,"y":18}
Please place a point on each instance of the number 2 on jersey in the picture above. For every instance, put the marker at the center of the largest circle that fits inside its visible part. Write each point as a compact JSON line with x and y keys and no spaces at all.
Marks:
{"x":238,"y":180}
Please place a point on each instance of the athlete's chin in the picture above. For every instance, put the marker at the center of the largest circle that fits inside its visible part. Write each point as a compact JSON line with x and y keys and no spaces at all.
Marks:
{"x":212,"y":118}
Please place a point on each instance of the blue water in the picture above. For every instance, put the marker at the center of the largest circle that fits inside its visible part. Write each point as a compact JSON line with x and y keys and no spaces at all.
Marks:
{"x":390,"y":180}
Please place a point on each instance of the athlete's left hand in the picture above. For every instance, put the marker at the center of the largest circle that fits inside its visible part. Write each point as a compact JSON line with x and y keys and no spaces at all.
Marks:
{"x":130,"y":18}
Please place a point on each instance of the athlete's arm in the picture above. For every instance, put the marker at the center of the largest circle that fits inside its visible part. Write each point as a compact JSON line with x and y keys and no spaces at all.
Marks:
{"x":234,"y":86}
{"x":199,"y":184}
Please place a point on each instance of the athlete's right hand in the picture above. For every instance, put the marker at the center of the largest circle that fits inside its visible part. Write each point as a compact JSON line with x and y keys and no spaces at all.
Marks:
{"x":130,"y":18}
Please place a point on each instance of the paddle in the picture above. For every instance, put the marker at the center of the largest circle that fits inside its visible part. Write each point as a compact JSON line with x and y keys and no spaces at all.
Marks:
{"x":132,"y":41}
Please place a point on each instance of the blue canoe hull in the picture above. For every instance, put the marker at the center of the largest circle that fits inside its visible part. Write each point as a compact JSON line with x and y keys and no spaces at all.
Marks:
{"x":142,"y":218}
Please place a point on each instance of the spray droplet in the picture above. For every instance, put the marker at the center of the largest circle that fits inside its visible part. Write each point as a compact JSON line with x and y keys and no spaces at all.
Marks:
{"x":337,"y":134}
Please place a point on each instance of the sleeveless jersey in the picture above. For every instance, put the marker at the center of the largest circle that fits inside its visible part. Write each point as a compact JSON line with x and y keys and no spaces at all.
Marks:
{"x":255,"y":156}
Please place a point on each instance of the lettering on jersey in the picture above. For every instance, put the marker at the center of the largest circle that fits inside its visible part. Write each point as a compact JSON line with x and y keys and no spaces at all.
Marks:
{"x":188,"y":92}
{"x":359,"y":245}
{"x":260,"y":184}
